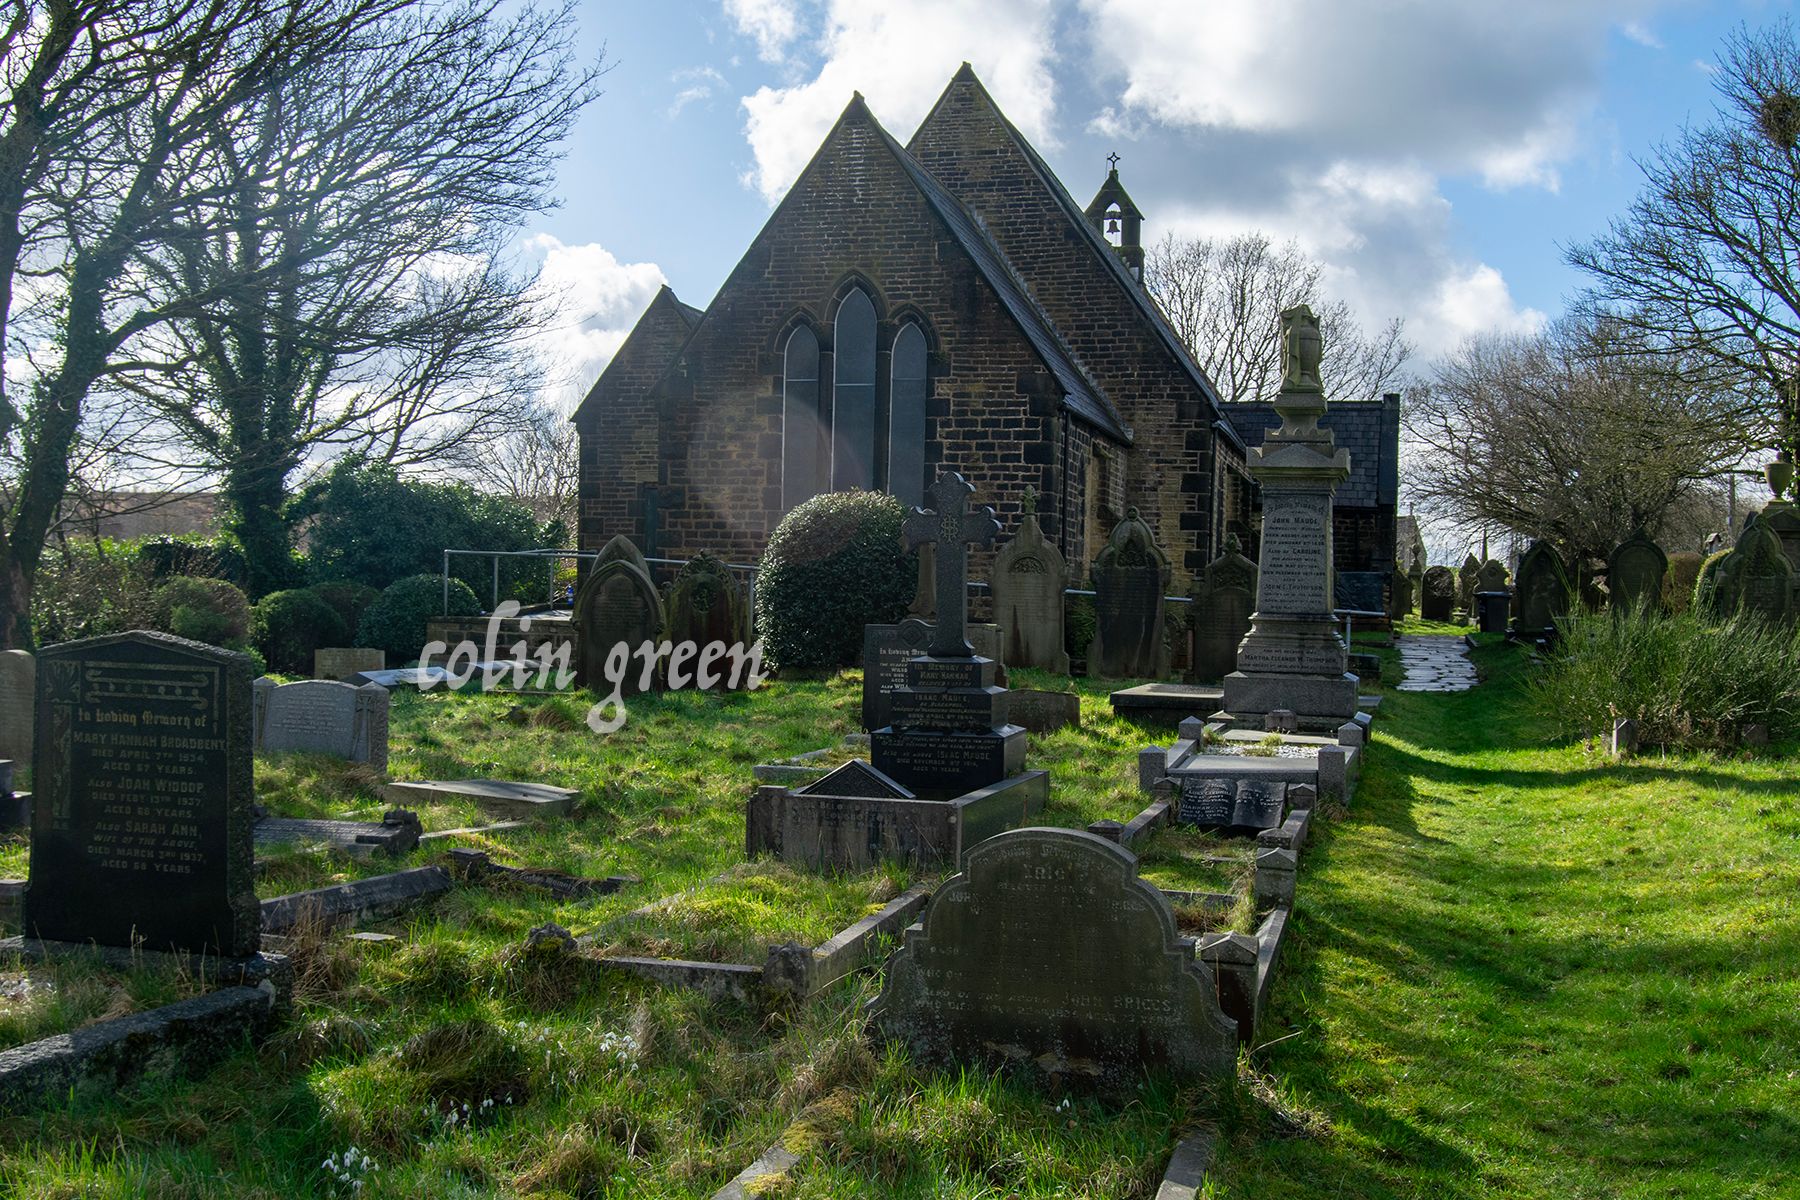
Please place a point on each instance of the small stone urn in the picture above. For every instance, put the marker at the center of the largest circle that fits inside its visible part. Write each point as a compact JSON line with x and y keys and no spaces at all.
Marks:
{"x":1779,"y":475}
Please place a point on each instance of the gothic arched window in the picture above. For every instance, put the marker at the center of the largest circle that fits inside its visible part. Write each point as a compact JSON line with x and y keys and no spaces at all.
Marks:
{"x":802,"y":427}
{"x":853,"y":394}
{"x":906,"y":418}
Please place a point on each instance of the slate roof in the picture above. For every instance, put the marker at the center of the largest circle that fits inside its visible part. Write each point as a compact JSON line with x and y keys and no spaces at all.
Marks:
{"x":1368,"y":429}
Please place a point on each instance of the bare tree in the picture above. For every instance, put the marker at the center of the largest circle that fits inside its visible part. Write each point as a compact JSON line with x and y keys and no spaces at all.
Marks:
{"x":1708,"y":257}
{"x":537,"y":465}
{"x":1577,"y":435}
{"x":1225,"y":297}
{"x":363,"y":299}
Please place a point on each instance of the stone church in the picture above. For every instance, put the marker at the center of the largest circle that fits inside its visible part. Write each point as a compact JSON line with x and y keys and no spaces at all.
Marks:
{"x":944,"y":304}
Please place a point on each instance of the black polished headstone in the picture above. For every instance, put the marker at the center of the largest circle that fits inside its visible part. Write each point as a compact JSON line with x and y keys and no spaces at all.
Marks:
{"x":142,"y":828}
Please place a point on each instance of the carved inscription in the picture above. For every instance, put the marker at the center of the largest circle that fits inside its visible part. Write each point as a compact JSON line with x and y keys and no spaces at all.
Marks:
{"x":1296,"y":555}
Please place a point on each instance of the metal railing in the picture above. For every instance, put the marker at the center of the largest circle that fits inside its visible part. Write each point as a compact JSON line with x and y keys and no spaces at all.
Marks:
{"x":750,"y":569}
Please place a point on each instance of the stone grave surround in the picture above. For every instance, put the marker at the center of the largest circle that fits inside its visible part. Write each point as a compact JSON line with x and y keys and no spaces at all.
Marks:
{"x":1027,"y":581}
{"x":1293,"y":657}
{"x":1634,"y":574}
{"x":1219,"y":614}
{"x":617,"y":602}
{"x":18,"y":692}
{"x":341,"y":662}
{"x":1049,"y":953}
{"x":320,"y":716}
{"x":1131,"y":576}
{"x":142,"y":826}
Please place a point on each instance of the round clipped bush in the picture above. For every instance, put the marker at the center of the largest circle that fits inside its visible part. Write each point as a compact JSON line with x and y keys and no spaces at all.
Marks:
{"x":395,"y":623}
{"x":291,"y":625}
{"x":833,"y":565}
{"x":203,"y":610}
{"x":1678,"y":584}
{"x":348,"y":599}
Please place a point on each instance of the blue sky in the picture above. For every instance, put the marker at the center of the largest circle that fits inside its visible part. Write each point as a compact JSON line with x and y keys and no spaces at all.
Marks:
{"x":1435,"y":154}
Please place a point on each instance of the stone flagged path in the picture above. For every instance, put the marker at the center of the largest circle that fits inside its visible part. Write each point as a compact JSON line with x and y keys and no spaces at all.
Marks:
{"x":1435,"y":664}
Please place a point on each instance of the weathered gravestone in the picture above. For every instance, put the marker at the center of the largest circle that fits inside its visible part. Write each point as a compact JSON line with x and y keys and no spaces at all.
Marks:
{"x":1048,"y":953}
{"x":1130,"y":577}
{"x":705,"y":606}
{"x":141,"y":831}
{"x":1544,"y":590}
{"x":1220,"y":612}
{"x":1216,"y":802}
{"x":18,"y":691}
{"x":617,"y":603}
{"x":1027,"y":583}
{"x":1634,"y":574}
{"x":1438,"y":596}
{"x":1400,"y":597}
{"x":1784,"y":520}
{"x":1466,"y":584}
{"x":1754,"y":578}
{"x":1492,"y":577}
{"x":322,"y":716}
{"x":341,"y":662}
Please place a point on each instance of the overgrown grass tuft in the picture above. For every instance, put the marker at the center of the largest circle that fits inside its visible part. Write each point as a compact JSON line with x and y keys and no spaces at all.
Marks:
{"x":1688,"y":683}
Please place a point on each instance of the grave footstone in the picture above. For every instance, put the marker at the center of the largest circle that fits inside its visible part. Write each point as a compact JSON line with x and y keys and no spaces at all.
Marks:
{"x":1131,"y":576}
{"x":1294,"y":657}
{"x":321,"y":716}
{"x":18,"y":691}
{"x":1544,"y":591}
{"x":617,"y":603}
{"x":141,"y":830}
{"x":1634,"y":574}
{"x":1028,"y":580}
{"x":1220,"y":613}
{"x":705,"y":607}
{"x":1049,"y":954}
{"x":1437,"y":594}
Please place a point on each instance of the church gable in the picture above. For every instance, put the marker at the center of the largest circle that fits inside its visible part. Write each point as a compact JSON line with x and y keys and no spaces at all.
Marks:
{"x":1183,"y":455}
{"x":861,"y":341}
{"x":617,"y":423}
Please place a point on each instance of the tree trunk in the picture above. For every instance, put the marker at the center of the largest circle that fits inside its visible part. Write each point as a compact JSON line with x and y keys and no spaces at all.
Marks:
{"x":15,"y":603}
{"x":254,"y":496}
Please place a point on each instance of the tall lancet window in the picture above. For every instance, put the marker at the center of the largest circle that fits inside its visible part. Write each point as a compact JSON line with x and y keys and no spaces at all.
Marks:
{"x":803,"y":431}
{"x":906,"y":418}
{"x":853,"y":394}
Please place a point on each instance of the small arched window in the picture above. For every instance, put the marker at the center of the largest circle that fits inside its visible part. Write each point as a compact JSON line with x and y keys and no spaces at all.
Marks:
{"x":906,"y":418}
{"x":802,"y":427}
{"x":853,"y":394}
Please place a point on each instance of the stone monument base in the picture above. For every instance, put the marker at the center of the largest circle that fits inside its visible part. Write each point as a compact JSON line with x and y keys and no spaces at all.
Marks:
{"x":1321,"y":703}
{"x":808,"y":827}
{"x":938,"y":765}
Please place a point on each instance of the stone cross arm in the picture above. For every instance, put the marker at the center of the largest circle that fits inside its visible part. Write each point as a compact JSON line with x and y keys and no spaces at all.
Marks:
{"x":953,"y":527}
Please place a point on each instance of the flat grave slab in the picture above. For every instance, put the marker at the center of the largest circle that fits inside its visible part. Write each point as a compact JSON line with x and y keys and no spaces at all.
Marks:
{"x":396,"y":835}
{"x":1166,"y":703}
{"x":507,"y":798}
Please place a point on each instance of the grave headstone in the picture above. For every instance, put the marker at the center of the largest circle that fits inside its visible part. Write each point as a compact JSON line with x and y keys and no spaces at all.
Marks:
{"x":617,"y":603}
{"x":321,"y":716}
{"x":705,"y":606}
{"x":18,"y":700}
{"x":141,"y":831}
{"x":1544,"y":591}
{"x":1466,"y":584}
{"x":341,"y":662}
{"x":1492,"y":577}
{"x":1754,"y":578}
{"x":1027,"y":582}
{"x":1784,"y":519}
{"x":1049,"y":953}
{"x":1242,"y":804}
{"x":1438,"y":594}
{"x":1634,"y":574}
{"x":887,"y":649}
{"x":1220,"y":612}
{"x":1401,"y":596}
{"x":1131,"y":576}
{"x":1294,"y":657}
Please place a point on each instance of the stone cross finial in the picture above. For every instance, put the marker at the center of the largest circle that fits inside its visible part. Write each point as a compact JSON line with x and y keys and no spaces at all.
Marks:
{"x":1028,"y":504}
{"x":1113,"y":158}
{"x":952,"y":528}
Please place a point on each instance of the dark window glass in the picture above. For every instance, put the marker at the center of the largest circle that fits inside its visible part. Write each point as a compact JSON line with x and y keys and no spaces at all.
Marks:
{"x":906,"y":419}
{"x":853,"y":394}
{"x":802,"y":429}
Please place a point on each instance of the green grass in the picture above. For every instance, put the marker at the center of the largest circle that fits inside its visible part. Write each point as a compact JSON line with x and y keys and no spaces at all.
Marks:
{"x":1515,"y":970}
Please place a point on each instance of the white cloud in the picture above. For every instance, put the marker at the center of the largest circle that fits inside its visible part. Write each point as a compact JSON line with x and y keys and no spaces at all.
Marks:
{"x":595,"y":299}
{"x":772,"y":23}
{"x":1640,"y":33}
{"x":900,"y":58}
{"x":700,"y":80}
